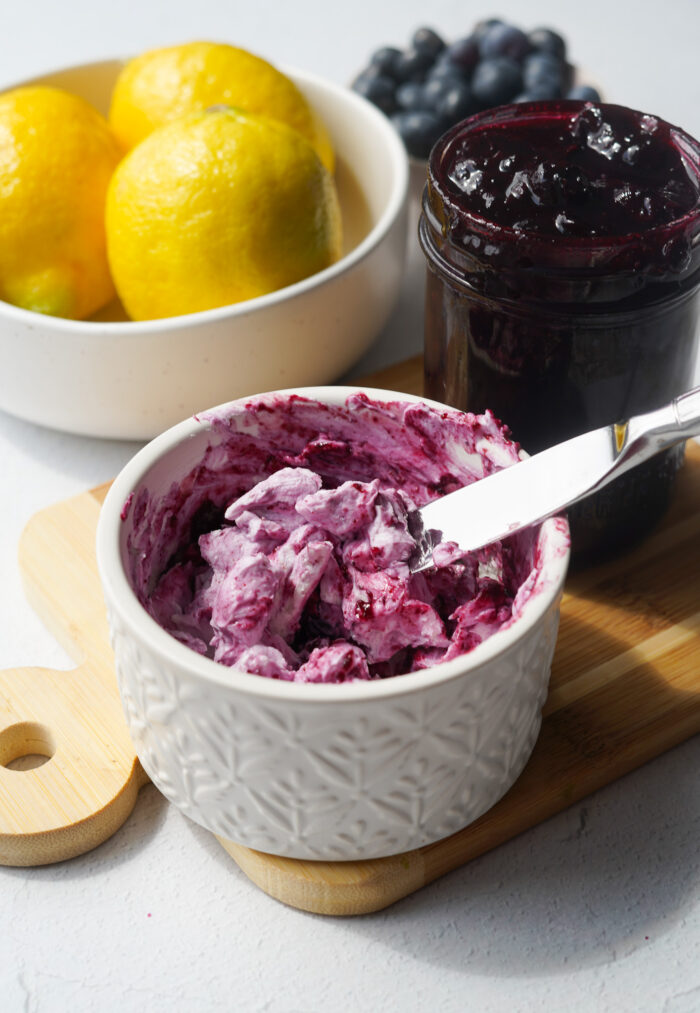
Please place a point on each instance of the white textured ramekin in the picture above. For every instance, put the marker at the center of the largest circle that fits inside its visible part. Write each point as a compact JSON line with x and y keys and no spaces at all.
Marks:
{"x":311,"y":771}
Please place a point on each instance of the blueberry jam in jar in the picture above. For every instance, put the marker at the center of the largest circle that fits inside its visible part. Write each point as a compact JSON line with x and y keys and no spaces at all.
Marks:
{"x":563,"y":287}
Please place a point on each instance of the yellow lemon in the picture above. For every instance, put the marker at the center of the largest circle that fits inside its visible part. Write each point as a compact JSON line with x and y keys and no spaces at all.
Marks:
{"x":57,"y":155}
{"x":164,"y":84}
{"x":215,"y":208}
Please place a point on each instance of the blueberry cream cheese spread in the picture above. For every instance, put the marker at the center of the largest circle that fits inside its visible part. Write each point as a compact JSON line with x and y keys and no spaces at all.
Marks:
{"x":284,"y":551}
{"x":563,"y":249}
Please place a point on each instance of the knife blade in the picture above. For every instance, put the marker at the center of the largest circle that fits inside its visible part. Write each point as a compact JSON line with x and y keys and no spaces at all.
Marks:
{"x":543,"y":485}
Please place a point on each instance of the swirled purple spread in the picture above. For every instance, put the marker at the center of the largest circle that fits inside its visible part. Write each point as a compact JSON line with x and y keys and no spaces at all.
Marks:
{"x":285,"y":551}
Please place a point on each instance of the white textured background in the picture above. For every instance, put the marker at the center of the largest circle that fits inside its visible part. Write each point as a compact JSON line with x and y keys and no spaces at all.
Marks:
{"x":597,"y":909}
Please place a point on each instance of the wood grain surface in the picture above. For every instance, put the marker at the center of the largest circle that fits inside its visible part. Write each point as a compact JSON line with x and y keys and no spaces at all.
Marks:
{"x":89,"y":786}
{"x":625,"y":687}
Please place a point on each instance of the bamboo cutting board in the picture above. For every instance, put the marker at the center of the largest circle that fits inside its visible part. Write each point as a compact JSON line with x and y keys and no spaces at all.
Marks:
{"x":625,"y":687}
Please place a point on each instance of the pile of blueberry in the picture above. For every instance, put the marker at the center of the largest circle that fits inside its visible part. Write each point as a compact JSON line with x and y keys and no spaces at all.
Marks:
{"x":431,"y":85}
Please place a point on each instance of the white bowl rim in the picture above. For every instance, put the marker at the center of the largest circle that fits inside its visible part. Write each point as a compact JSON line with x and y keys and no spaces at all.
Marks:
{"x":374,"y":237}
{"x":122,"y":596}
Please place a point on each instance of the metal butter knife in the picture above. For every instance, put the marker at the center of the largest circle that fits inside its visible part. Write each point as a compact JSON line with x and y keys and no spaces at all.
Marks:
{"x":546,"y":483}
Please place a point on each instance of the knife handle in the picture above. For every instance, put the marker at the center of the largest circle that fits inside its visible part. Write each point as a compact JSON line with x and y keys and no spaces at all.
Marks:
{"x":645,"y":435}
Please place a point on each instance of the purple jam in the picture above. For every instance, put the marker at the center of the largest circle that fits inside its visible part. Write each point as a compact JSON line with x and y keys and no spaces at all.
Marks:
{"x":562,"y":241}
{"x":589,"y":174}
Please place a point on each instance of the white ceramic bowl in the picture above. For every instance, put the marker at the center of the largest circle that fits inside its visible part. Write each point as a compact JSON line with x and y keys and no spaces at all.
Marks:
{"x":133,"y":380}
{"x":323,"y":771}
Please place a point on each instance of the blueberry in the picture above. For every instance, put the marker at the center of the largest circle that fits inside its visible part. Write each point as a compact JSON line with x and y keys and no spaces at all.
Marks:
{"x":545,"y":91}
{"x":410,"y":95}
{"x":496,"y":81}
{"x":444,"y":67}
{"x":456,"y":103}
{"x":444,"y":74}
{"x":504,"y":40}
{"x":583,"y":93}
{"x":411,"y":65}
{"x":568,"y":72}
{"x":425,"y":40}
{"x":384,"y":60}
{"x":481,"y":27}
{"x":464,"y":53}
{"x":543,"y":69}
{"x":434,"y":89}
{"x":547,"y":41}
{"x":419,"y":131}
{"x":381,"y":91}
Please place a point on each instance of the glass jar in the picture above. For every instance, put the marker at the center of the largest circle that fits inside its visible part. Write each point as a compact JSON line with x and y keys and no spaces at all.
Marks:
{"x":562,"y":242}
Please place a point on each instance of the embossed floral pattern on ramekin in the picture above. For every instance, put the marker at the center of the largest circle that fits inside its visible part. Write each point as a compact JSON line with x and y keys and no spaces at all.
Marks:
{"x":308,"y":780}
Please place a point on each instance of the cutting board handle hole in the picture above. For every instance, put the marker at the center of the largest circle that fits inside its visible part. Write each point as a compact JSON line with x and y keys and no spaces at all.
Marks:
{"x":26,"y":745}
